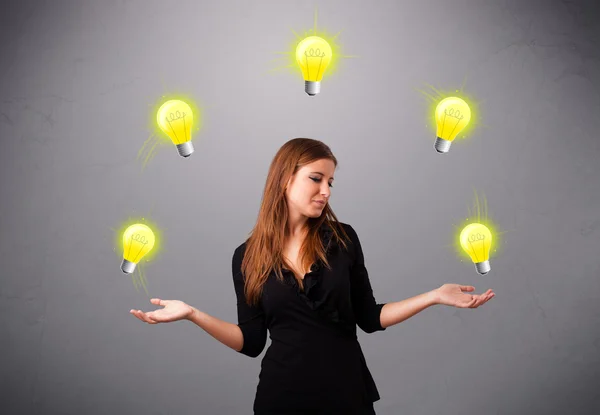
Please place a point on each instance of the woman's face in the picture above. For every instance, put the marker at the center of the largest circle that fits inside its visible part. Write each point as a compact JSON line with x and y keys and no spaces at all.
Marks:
{"x":309,"y":186}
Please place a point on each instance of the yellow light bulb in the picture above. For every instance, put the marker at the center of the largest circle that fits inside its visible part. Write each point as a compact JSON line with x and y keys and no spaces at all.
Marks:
{"x":476,"y":240}
{"x":175,"y":118}
{"x":452,"y":115}
{"x":138,"y":240}
{"x":313,"y":54}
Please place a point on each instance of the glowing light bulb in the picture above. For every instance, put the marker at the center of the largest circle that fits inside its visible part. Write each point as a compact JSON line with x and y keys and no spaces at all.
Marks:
{"x":313,"y":54}
{"x":175,"y":119}
{"x":138,"y":240}
{"x":476,"y":240}
{"x":452,"y":115}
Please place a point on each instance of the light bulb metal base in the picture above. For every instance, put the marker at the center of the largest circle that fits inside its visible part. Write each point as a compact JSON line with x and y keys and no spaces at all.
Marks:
{"x":483,"y":267}
{"x":185,"y":149}
{"x":127,"y":266}
{"x":312,"y":88}
{"x":442,"y":146}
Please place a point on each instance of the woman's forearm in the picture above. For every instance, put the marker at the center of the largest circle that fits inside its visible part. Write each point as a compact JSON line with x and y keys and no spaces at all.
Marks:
{"x":227,"y":333}
{"x":394,"y":313}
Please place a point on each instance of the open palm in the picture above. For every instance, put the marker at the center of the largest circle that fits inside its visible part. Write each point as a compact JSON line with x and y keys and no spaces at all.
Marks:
{"x":454,"y":295}
{"x":173,"y":310}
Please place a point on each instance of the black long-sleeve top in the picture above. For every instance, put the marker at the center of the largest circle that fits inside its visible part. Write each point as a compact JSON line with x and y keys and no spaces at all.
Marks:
{"x":314,"y":361}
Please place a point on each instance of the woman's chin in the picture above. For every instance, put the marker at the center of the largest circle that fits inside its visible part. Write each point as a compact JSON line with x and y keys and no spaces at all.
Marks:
{"x":316,"y":214}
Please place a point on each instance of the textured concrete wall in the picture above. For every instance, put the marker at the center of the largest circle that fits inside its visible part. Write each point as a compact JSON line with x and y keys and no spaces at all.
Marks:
{"x":79,"y":82}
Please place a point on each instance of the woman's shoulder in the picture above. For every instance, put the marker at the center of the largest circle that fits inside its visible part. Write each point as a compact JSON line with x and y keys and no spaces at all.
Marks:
{"x":241,"y":248}
{"x":347,"y":228}
{"x":348,"y":237}
{"x":238,"y":253}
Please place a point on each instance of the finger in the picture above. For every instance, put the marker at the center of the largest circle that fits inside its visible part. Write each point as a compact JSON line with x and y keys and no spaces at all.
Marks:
{"x":144,"y":317}
{"x":475,"y":302}
{"x":469,"y":303}
{"x":139,"y":315}
{"x":151,"y":318}
{"x":157,"y":301}
{"x":484,"y":299}
{"x":134,"y":313}
{"x":467,"y":288}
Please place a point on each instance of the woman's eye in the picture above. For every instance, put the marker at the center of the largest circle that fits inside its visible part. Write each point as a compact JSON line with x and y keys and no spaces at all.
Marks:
{"x":314,"y":179}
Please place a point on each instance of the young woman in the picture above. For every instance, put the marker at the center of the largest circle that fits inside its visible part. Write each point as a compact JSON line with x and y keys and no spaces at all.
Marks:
{"x":301,"y":276}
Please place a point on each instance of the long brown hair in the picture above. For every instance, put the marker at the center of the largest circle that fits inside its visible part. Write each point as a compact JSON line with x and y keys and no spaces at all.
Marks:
{"x":264,"y":246}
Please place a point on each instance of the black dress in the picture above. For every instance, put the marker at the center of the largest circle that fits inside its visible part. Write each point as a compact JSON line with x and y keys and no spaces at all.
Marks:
{"x":314,"y":364}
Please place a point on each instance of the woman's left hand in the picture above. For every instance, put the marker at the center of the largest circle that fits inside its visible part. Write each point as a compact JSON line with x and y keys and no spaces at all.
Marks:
{"x":454,"y":295}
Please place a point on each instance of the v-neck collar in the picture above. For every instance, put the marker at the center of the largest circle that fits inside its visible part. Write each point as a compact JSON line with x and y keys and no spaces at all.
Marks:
{"x":325,"y":233}
{"x":312,"y":295}
{"x":312,"y":278}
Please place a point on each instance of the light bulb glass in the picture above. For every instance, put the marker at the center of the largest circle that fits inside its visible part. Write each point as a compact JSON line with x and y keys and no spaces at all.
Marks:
{"x":476,"y":241}
{"x":138,"y":240}
{"x":452,"y":115}
{"x":313,"y":55}
{"x":175,"y":118}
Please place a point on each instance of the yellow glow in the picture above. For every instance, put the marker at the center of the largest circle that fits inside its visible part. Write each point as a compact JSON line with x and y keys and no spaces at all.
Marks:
{"x":452,"y":115}
{"x":290,"y":55}
{"x":138,"y":240}
{"x":118,"y":233}
{"x":478,"y":213}
{"x":148,"y":150}
{"x":434,"y":96}
{"x":153,"y":125}
{"x":313,"y":55}
{"x":156,"y":138}
{"x":476,"y":241}
{"x":120,"y":243}
{"x":175,"y":118}
{"x":140,"y":280}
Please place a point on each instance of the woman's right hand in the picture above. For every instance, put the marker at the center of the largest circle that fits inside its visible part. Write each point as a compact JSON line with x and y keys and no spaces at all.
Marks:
{"x":173,"y":310}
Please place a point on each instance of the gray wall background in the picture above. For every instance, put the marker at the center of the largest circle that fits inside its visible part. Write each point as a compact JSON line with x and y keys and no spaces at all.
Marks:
{"x":78,"y":81}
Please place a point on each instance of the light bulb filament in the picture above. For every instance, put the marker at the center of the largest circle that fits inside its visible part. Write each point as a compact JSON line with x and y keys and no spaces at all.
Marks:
{"x":137,"y":238}
{"x":444,"y":124}
{"x":140,"y":238}
{"x":450,"y":112}
{"x":477,"y":237}
{"x":313,"y":55}
{"x":175,"y":117}
{"x":178,"y":114}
